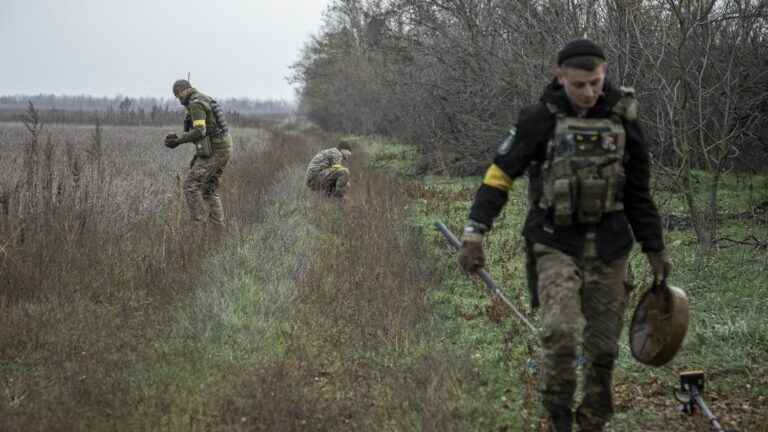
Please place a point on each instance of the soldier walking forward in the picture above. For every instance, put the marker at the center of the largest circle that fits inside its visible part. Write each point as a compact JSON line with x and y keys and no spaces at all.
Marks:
{"x":589,"y":173}
{"x":326,"y":174}
{"x":206,"y":128}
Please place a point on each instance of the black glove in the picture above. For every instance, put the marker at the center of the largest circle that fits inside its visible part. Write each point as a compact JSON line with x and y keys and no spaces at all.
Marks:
{"x":171,"y":141}
{"x":471,"y":257}
{"x":660,"y":265}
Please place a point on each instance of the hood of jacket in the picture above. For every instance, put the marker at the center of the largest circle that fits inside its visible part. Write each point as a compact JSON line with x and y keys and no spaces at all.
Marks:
{"x":554,"y":93}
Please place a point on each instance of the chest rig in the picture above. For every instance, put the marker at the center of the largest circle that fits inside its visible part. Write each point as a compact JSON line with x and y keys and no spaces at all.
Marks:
{"x":217,"y":124}
{"x":583,"y":174}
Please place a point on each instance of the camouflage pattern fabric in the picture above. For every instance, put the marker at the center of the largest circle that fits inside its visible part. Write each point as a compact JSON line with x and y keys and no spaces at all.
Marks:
{"x":202,"y":183}
{"x":336,"y":182}
{"x":578,"y":293}
{"x":206,"y":113}
{"x":326,"y":174}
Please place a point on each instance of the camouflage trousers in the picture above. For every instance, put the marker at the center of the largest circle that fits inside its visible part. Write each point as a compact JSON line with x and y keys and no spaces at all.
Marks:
{"x":582,"y":302}
{"x":202,"y":184}
{"x":332,"y":182}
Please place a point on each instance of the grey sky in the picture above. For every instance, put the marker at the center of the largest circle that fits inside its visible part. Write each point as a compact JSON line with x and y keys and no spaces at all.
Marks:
{"x":139,"y":47}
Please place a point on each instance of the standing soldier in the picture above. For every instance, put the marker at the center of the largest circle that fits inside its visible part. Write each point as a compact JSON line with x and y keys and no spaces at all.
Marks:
{"x":206,"y":128}
{"x":588,"y":165}
{"x":326,"y":174}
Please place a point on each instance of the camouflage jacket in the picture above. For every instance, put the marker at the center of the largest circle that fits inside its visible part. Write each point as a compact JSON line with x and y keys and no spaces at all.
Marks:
{"x":323,"y":161}
{"x":204,"y":113}
{"x":616,"y":231}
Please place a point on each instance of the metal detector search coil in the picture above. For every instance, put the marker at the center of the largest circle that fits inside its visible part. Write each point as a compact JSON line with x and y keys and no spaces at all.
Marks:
{"x":659,"y":325}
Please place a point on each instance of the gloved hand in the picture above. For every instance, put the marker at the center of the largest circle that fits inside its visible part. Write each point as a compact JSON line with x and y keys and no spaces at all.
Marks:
{"x":172,"y":141}
{"x":660,"y":265}
{"x":471,"y":257}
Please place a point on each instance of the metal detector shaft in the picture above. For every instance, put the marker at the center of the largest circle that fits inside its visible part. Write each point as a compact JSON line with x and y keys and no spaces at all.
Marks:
{"x":696,"y":395}
{"x":484,"y":276}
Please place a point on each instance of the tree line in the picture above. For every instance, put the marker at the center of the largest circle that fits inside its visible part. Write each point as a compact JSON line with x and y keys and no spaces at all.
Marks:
{"x":450,"y":76}
{"x":127,"y":111}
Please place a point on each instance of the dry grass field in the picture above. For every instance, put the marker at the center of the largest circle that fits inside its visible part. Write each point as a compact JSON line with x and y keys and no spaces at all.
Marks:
{"x":117,"y":314}
{"x":99,"y":267}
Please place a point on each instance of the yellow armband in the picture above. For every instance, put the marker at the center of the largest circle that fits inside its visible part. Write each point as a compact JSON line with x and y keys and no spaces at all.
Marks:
{"x":496,"y":178}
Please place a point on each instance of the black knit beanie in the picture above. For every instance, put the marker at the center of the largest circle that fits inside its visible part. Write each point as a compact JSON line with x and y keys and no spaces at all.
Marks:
{"x":578,"y":48}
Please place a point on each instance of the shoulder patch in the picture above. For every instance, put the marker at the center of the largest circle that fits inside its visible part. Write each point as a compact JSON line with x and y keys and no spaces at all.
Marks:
{"x":506,"y":145}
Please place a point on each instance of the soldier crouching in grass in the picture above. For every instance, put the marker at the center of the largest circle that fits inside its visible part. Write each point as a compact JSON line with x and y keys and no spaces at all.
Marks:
{"x":206,"y":127}
{"x":326,"y":174}
{"x":589,"y":170}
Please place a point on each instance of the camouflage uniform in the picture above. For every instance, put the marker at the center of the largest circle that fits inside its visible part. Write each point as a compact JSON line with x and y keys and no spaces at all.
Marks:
{"x":206,"y":128}
{"x":579,"y":232}
{"x":326,"y":174}
{"x":569,"y":289}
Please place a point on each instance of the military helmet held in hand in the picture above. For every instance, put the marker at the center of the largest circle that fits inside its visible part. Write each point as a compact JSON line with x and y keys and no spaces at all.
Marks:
{"x":659,"y":325}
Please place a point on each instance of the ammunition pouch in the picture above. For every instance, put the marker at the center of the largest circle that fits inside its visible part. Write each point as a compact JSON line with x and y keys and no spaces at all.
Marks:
{"x":583,"y":175}
{"x":591,"y":200}
{"x":203,"y":147}
{"x":563,"y":202}
{"x":210,"y":143}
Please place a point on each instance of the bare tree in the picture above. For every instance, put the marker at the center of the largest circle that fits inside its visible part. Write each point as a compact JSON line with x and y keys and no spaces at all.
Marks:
{"x":451,"y":75}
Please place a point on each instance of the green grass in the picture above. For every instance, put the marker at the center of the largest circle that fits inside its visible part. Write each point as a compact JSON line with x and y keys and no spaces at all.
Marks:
{"x":307,"y":316}
{"x":394,"y":156}
{"x":315,"y":316}
{"x":729,"y":311}
{"x":150,"y":331}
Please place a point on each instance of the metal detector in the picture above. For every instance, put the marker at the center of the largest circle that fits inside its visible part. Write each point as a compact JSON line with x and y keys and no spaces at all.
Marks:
{"x":691,"y":387}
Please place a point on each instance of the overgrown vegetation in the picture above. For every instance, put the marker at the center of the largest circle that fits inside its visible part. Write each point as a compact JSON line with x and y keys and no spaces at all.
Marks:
{"x":106,"y":292}
{"x":726,"y":336}
{"x":449,"y":77}
{"x":117,"y":315}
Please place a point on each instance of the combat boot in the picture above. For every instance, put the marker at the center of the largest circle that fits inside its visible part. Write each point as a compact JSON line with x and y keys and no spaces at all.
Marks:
{"x":588,"y":422}
{"x":561,"y":420}
{"x":590,"y":427}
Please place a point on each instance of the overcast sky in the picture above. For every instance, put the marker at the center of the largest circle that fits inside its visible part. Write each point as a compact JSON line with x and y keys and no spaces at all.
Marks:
{"x":232,"y":48}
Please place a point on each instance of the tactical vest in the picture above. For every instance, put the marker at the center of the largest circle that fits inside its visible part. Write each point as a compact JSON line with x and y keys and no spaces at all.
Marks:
{"x":216,"y":124}
{"x":583,"y":175}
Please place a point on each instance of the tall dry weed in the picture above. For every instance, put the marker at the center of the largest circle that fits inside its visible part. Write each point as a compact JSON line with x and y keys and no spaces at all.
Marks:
{"x":48,"y":176}
{"x":91,"y":298}
{"x":360,"y":349}
{"x":92,"y":279}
